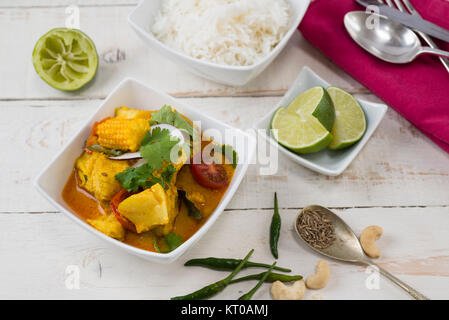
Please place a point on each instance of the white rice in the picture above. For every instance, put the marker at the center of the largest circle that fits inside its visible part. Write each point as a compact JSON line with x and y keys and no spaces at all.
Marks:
{"x":229,"y":32}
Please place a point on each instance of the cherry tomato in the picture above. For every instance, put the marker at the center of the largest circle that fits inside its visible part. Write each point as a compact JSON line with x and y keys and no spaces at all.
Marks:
{"x":115,"y":201}
{"x":211,"y":176}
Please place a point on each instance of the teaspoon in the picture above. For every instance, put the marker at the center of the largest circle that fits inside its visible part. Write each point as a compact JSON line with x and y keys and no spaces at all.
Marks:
{"x":386,"y":39}
{"x":346,"y":247}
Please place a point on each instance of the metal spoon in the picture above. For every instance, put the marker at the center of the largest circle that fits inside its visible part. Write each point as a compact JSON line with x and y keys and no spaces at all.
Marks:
{"x":387,"y":40}
{"x":346,"y":247}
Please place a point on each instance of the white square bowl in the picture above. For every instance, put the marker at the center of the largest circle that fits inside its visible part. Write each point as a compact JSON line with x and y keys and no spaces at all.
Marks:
{"x":142,"y":18}
{"x":327,"y":162}
{"x":134,"y":94}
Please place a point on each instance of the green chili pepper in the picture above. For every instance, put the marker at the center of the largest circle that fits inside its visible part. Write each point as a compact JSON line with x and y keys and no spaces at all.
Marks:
{"x":227,"y":264}
{"x":249,"y":294}
{"x":272,"y":277}
{"x":275,"y":228}
{"x":216,"y":287}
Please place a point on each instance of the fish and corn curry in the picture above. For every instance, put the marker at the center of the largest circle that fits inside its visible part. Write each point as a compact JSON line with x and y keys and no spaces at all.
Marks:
{"x":127,"y":185}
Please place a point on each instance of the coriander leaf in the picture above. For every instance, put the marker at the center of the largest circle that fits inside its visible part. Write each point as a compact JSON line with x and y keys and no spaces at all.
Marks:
{"x":132,"y":179}
{"x":142,"y":177}
{"x":163,"y":115}
{"x":229,"y":152}
{"x":173,"y":241}
{"x":193,"y":211}
{"x":158,"y":147}
{"x":167,"y":116}
{"x":168,"y":172}
{"x":182,"y":124}
{"x":146,"y":139}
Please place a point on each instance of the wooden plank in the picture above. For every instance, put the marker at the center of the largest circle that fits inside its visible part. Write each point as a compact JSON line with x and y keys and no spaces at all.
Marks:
{"x":122,"y":54}
{"x":36,"y":250}
{"x":398,"y":167}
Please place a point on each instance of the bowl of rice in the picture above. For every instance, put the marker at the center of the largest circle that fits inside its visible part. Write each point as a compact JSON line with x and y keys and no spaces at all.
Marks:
{"x":227,"y":41}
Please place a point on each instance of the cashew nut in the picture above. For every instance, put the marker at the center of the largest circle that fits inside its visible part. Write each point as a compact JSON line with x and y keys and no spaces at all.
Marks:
{"x":280,"y":291}
{"x":369,"y":235}
{"x":321,"y":276}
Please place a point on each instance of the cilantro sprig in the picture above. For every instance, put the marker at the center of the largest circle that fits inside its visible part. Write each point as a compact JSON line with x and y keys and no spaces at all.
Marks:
{"x":165,"y":115}
{"x":156,"y":149}
{"x":133,"y":179}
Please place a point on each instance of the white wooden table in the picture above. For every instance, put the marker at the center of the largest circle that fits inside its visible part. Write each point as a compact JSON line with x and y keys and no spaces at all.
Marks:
{"x":399,"y":181}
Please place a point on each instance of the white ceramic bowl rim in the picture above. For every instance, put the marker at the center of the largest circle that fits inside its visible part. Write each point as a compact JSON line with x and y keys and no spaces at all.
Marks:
{"x":280,"y":45}
{"x":154,"y":256}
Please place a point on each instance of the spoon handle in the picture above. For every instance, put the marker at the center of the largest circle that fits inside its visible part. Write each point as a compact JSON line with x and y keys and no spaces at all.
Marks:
{"x":415,"y":294}
{"x":434,"y":51}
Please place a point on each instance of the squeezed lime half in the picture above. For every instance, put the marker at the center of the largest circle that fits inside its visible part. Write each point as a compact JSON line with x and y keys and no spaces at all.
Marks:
{"x":65,"y":58}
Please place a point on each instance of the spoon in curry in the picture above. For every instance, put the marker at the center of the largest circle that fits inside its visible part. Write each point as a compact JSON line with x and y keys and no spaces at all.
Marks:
{"x":345,"y":246}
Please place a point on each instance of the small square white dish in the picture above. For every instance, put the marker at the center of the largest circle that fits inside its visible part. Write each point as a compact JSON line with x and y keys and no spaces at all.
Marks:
{"x":142,"y":18}
{"x":134,"y":94}
{"x":327,"y":162}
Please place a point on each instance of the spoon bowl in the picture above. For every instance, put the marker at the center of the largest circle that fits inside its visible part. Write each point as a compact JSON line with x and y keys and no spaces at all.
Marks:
{"x":386,"y":39}
{"x":346,"y":247}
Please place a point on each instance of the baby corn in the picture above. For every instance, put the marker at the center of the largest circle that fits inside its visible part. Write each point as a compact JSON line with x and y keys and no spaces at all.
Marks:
{"x":123,"y":134}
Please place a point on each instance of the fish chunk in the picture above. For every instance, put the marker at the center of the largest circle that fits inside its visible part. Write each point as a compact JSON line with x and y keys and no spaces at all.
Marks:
{"x":109,"y":225}
{"x":148,"y":209}
{"x":97,"y":174}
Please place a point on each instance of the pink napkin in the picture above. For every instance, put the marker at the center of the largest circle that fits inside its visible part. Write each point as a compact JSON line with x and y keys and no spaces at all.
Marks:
{"x":419,"y":91}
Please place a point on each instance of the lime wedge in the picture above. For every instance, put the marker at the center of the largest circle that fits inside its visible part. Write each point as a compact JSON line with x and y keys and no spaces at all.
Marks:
{"x":350,"y":122}
{"x":299,"y":133}
{"x":65,"y":58}
{"x":316,"y":102}
{"x":304,"y":125}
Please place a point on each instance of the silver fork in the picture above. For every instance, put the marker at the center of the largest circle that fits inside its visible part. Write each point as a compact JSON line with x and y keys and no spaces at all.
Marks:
{"x":405,"y":6}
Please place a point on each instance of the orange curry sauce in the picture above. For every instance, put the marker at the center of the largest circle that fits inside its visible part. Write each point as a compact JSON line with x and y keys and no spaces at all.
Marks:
{"x":86,"y":207}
